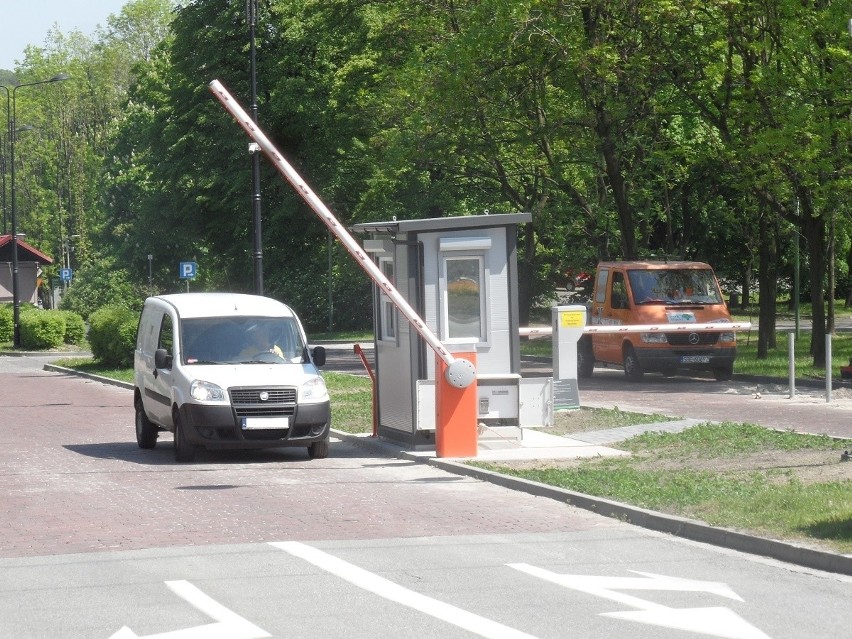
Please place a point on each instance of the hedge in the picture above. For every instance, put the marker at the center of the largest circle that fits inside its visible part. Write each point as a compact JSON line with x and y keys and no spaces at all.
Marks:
{"x":112,"y":335}
{"x":41,"y":330}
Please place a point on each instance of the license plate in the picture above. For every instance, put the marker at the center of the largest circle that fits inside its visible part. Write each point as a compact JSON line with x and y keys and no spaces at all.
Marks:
{"x":695,"y":359}
{"x":264,"y":423}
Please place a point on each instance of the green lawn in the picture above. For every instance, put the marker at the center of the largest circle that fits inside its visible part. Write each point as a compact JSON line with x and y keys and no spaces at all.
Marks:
{"x":738,"y":476}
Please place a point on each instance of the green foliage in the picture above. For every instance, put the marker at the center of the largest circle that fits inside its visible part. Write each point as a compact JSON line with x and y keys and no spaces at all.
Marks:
{"x":42,"y":329}
{"x":75,"y":327}
{"x":99,"y":285}
{"x":112,"y":335}
{"x":7,"y":323}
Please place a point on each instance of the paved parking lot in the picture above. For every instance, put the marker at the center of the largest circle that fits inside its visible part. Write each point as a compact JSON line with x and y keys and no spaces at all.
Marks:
{"x":74,"y":480}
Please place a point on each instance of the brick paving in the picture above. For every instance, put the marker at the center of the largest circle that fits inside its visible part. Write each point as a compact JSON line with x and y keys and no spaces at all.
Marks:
{"x":73,"y":481}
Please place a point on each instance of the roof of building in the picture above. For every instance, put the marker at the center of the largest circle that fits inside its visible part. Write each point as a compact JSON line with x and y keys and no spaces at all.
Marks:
{"x":441,"y":223}
{"x":26,"y":253}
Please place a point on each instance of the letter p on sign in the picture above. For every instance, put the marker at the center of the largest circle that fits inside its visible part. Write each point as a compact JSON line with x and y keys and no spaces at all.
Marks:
{"x":188,"y":270}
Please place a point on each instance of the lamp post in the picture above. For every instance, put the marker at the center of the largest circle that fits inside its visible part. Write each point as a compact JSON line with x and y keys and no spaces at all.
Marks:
{"x":254,"y":150}
{"x":10,"y":101}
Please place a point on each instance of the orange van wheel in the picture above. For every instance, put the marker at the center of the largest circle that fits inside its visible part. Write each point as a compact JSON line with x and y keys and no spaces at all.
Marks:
{"x":632,"y":367}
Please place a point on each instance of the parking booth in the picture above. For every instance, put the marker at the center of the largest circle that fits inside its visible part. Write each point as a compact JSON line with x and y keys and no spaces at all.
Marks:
{"x":460,"y":275}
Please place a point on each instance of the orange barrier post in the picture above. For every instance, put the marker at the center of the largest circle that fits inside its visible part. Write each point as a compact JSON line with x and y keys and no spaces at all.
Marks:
{"x":456,"y":410}
{"x":360,"y":353}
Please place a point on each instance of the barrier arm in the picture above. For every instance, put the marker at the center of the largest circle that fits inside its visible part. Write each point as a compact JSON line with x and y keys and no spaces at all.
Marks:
{"x":460,"y":373}
{"x":455,"y":378}
{"x":710,"y":327}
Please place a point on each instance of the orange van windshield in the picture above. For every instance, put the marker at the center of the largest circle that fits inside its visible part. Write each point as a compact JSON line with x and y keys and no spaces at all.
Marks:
{"x":674,"y":286}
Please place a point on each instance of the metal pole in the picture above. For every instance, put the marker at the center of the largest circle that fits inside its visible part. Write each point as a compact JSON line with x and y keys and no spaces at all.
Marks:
{"x":16,"y":300}
{"x":791,"y":363}
{"x":251,"y":16}
{"x":12,"y":131}
{"x":3,"y":139}
{"x":828,"y":368}
{"x":330,"y":245}
{"x":150,"y":274}
{"x":459,"y":366}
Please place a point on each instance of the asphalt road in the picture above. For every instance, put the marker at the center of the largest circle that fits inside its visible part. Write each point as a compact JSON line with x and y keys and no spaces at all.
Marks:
{"x":102,"y":539}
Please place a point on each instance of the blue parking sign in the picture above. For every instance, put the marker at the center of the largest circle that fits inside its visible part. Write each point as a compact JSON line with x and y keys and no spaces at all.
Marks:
{"x":188,"y":270}
{"x":65,"y":274}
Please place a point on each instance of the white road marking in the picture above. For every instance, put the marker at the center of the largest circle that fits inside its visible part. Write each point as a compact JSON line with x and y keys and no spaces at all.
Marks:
{"x":394,"y":592}
{"x":229,"y":625}
{"x":715,"y":621}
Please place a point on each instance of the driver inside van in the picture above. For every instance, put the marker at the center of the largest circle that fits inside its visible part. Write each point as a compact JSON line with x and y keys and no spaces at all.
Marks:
{"x":259,"y":341}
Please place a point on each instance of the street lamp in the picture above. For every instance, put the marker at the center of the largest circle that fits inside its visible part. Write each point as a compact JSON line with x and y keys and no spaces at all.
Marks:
{"x":254,"y":150}
{"x":10,"y":119}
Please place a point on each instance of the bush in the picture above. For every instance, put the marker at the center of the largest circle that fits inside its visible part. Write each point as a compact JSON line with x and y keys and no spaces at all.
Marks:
{"x":7,"y":323}
{"x":112,"y":335}
{"x":44,"y":329}
{"x":98,"y":285}
{"x":75,"y":327}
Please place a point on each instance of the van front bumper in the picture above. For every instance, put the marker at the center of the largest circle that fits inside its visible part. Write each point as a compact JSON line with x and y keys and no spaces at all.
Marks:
{"x":661,"y":359}
{"x":219,"y":427}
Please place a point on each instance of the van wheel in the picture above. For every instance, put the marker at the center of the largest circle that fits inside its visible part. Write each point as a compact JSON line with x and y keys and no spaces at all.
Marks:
{"x":318,"y":450}
{"x":724,"y":373}
{"x":146,"y":431}
{"x":184,"y":451}
{"x":585,"y":358}
{"x":632,"y":368}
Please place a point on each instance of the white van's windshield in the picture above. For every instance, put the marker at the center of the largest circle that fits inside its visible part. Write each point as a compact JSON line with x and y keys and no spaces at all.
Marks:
{"x":674,"y":286}
{"x":241,"y":340}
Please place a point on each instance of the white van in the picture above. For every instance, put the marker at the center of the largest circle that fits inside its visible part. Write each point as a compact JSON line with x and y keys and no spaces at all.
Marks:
{"x":225,"y":371}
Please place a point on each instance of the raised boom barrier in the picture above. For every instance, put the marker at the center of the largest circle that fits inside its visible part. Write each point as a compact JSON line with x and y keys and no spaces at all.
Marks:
{"x":456,"y":388}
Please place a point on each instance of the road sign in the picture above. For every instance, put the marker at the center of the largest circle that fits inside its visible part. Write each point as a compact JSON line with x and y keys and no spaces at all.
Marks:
{"x":65,"y":274}
{"x":188,"y":270}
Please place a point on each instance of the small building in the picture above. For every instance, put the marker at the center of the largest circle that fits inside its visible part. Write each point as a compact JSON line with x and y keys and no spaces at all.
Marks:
{"x":30,"y":261}
{"x":460,"y":275}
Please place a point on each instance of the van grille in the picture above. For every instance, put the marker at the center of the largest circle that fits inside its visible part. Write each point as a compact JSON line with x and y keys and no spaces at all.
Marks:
{"x":252,"y":395}
{"x":698,"y":339}
{"x":281,"y":401}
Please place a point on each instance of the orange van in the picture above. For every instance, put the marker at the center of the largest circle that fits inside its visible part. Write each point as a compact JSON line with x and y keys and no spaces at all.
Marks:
{"x":645,"y":293}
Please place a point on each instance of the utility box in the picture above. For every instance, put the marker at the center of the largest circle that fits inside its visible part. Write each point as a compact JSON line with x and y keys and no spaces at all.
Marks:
{"x":460,"y":275}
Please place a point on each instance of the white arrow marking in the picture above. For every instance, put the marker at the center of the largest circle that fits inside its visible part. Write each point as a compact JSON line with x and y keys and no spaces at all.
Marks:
{"x":394,"y":592}
{"x":228,"y":625}
{"x":718,"y":622}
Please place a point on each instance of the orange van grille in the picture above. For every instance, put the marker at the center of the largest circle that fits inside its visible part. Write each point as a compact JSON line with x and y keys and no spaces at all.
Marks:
{"x":692,"y":339}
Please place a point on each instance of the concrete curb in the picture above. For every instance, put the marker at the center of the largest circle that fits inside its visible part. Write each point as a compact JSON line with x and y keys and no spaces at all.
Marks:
{"x":97,"y":378}
{"x":652,"y":520}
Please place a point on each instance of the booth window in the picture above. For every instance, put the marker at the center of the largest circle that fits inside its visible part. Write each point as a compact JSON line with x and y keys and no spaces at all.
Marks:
{"x":388,"y":316}
{"x":464,"y":295}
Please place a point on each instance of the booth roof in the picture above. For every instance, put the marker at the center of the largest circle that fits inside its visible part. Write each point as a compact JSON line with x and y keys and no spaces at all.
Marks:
{"x":26,"y":253}
{"x":450,"y":223}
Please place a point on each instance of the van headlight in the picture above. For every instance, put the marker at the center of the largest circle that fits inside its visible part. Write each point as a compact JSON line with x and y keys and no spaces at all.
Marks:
{"x":313,"y":390}
{"x":727,"y":337}
{"x":653,"y":338}
{"x":202,"y":391}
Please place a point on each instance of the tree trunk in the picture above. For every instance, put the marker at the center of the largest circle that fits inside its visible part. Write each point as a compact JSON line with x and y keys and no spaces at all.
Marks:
{"x":814,"y":231}
{"x":767,"y":278}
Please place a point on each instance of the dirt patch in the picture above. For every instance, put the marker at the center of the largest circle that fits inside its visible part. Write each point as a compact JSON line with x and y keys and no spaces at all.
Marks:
{"x":584,"y":420}
{"x":807,"y":466}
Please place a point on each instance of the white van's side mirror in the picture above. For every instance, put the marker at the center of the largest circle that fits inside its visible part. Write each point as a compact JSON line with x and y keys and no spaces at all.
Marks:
{"x":162,"y":359}
{"x":318,"y":355}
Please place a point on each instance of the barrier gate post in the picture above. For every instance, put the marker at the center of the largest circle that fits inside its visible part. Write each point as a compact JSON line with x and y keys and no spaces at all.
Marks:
{"x":456,"y":406}
{"x":568,"y":325}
